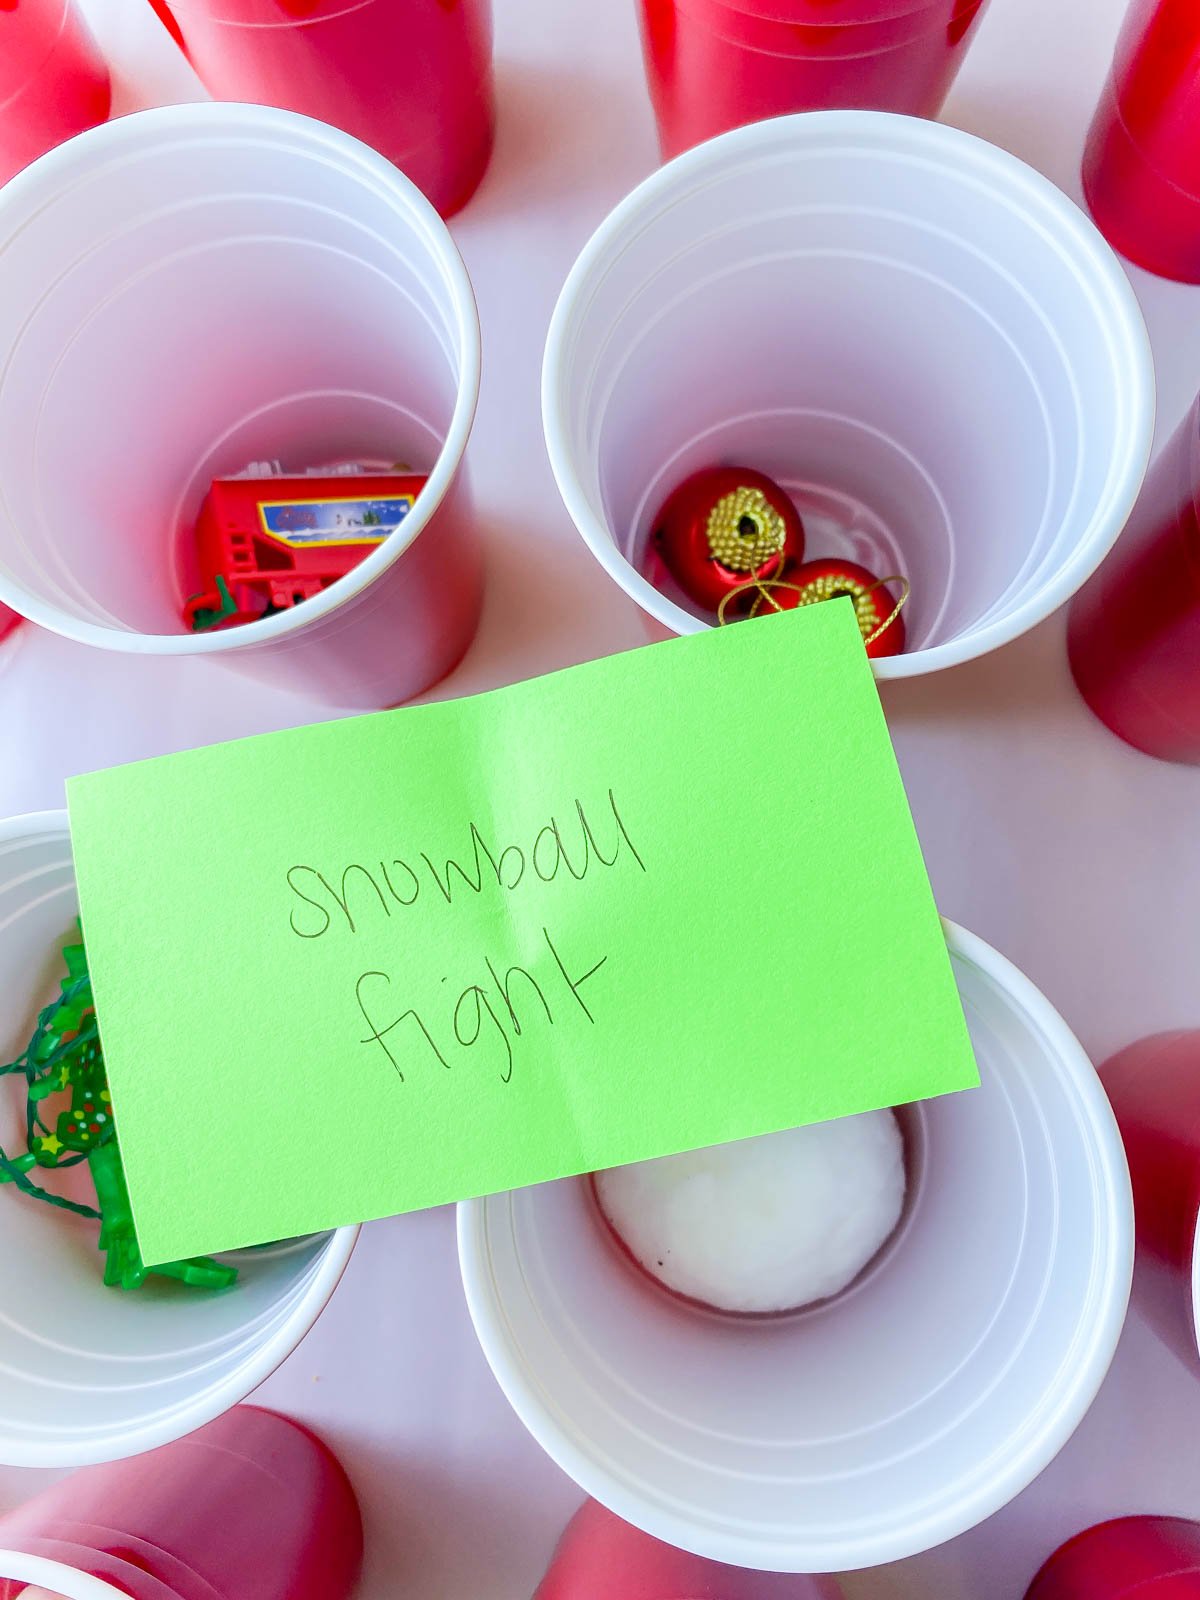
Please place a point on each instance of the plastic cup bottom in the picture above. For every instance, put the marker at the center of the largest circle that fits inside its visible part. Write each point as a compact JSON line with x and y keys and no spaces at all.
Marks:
{"x":1130,"y":1558}
{"x":1154,"y":1087}
{"x":54,"y":82}
{"x":1133,"y":632}
{"x":599,"y":1557}
{"x":943,"y":21}
{"x":251,"y":1506}
{"x":415,"y":83}
{"x":874,"y":1425}
{"x":1143,"y":212}
{"x":711,"y":66}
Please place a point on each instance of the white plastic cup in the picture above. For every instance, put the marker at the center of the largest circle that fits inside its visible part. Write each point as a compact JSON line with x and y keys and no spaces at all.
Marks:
{"x":886,"y":1420}
{"x":90,"y":1373}
{"x":194,"y":288}
{"x":920,"y":337}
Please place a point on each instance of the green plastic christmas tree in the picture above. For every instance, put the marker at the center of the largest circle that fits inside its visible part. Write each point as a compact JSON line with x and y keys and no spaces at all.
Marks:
{"x":64,"y":1061}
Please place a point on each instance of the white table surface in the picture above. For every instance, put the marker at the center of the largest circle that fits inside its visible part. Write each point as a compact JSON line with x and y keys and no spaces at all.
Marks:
{"x":1073,"y":855}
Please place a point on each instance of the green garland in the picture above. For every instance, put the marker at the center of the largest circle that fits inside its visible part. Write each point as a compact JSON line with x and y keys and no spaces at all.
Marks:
{"x":64,"y":1058}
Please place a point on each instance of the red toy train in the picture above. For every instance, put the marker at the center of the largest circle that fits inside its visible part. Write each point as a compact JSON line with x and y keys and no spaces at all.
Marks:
{"x":268,"y":542}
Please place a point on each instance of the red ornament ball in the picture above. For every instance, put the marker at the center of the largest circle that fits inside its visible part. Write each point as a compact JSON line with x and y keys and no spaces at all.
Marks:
{"x":812,"y":581}
{"x":723,"y":527}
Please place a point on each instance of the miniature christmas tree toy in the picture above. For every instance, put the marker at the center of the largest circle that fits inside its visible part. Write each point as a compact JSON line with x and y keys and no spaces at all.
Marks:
{"x":89,"y":1370}
{"x":69,"y":1119}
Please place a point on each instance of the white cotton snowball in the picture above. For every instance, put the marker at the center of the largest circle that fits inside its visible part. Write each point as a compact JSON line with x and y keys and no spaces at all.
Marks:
{"x":766,"y":1224}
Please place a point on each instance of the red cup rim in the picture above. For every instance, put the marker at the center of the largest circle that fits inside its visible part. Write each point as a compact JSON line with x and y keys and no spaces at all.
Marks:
{"x":769,"y":36}
{"x":295,"y":13}
{"x":821,"y":41}
{"x":882,"y":11}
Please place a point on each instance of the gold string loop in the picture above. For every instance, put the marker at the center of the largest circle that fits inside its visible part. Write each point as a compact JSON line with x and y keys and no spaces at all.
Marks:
{"x":763,"y":587}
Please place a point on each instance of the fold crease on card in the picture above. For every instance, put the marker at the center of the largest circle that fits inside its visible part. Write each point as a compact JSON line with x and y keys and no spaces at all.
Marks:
{"x":638,"y":906}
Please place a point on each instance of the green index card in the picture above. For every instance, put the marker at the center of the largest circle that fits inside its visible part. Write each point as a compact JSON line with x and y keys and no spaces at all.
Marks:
{"x":658,"y":901}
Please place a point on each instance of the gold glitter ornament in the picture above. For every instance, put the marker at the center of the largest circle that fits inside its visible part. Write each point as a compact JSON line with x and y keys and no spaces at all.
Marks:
{"x":722,"y":526}
{"x":876,"y":609}
{"x":744,"y":529}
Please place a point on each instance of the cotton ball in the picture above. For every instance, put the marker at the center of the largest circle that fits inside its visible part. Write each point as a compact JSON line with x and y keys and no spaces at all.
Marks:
{"x":765,"y":1224}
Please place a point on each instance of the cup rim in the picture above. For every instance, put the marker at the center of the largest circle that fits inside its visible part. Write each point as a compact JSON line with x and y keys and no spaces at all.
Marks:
{"x":1029,"y":1453}
{"x":68,"y":164}
{"x":911,"y":9}
{"x":187,"y":8}
{"x":821,"y":41}
{"x":284,"y":1337}
{"x":18,"y":1567}
{"x":863,"y":27}
{"x":933,"y":143}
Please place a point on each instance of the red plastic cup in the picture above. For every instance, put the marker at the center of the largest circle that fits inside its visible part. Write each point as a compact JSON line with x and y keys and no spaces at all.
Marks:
{"x":602,"y":1558}
{"x":1134,"y":628}
{"x":1141,"y":166}
{"x":411,"y":78}
{"x":1154,"y":1558}
{"x":250,"y":1507}
{"x":713,"y":65}
{"x":53,"y":81}
{"x":1154,"y":1087}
